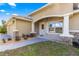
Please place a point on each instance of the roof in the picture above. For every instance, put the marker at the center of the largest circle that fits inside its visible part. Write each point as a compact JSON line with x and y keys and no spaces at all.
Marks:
{"x":69,"y":13}
{"x":39,"y":9}
{"x":72,"y":12}
{"x":19,"y":18}
{"x":22,"y":18}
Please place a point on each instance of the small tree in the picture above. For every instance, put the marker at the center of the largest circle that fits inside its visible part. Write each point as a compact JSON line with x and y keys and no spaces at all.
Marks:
{"x":3,"y":27}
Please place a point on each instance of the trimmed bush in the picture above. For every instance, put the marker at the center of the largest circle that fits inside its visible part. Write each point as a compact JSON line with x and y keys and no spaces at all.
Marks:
{"x":17,"y":38}
{"x":4,"y":41}
{"x":24,"y":36}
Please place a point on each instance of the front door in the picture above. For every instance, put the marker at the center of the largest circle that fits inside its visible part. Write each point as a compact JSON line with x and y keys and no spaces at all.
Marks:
{"x":42,"y":30}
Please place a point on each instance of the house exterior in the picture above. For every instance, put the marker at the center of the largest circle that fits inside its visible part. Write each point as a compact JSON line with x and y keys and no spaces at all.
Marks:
{"x":53,"y":18}
{"x":18,"y":25}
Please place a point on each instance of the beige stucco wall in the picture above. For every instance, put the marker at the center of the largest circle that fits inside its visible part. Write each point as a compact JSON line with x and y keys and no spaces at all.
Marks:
{"x":24,"y":27}
{"x":11,"y":26}
{"x":74,"y":21}
{"x":53,"y":9}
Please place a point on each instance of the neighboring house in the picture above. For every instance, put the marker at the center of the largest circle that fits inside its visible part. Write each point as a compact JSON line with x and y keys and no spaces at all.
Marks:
{"x":55,"y":18}
{"x":18,"y":25}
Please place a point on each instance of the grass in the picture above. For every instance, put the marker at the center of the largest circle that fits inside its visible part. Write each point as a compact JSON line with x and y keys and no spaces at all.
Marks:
{"x":43,"y":49}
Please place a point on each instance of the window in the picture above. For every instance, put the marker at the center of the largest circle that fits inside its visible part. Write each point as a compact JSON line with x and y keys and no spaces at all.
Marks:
{"x":13,"y":21}
{"x":59,"y":24}
{"x":42,"y":26}
{"x":51,"y":26}
{"x":58,"y":29}
{"x":55,"y":27}
{"x":75,"y":6}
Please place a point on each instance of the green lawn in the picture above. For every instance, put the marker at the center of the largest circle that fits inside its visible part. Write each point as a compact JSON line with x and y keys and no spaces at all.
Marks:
{"x":43,"y":49}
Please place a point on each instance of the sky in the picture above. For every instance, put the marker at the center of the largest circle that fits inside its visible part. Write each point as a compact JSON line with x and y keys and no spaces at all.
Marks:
{"x":22,"y":9}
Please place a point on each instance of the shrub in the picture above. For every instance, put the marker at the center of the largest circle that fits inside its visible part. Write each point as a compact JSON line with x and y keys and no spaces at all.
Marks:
{"x":9,"y":39}
{"x":17,"y":38}
{"x":24,"y":36}
{"x":4,"y":41}
{"x":3,"y":30}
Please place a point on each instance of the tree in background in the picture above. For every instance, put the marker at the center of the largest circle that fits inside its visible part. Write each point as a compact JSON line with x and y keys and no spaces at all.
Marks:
{"x":3,"y":27}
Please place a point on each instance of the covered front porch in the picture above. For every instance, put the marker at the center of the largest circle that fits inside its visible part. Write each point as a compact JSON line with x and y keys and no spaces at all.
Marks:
{"x":52,"y":25}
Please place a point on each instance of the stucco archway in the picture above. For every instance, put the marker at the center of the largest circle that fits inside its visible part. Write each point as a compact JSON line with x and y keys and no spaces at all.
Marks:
{"x":46,"y":22}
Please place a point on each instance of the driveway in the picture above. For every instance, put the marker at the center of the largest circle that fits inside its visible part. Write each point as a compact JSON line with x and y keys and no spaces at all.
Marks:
{"x":5,"y":47}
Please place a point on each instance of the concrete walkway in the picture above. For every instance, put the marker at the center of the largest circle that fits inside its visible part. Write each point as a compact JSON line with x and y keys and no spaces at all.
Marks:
{"x":11,"y":46}
{"x":5,"y":47}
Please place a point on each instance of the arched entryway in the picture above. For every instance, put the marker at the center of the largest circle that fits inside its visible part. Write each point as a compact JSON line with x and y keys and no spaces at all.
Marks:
{"x":49,"y":25}
{"x":66,"y":21}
